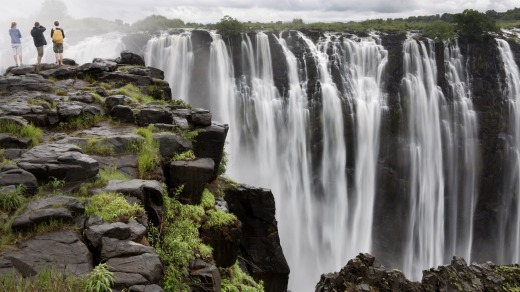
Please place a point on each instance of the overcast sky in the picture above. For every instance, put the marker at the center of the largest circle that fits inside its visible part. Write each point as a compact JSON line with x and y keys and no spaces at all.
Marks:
{"x":210,"y":11}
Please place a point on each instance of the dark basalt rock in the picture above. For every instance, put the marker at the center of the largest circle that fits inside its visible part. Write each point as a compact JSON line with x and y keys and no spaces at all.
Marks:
{"x":149,"y":192}
{"x":62,"y":208}
{"x":364,"y":273}
{"x":199,"y":117}
{"x":225,"y":242}
{"x":28,"y":82}
{"x":123,"y":78}
{"x":130,"y":58}
{"x":132,"y":230}
{"x":193,"y":175}
{"x":115,"y":100}
{"x":152,"y":115}
{"x":61,"y":250}
{"x":203,"y":276}
{"x":145,"y":288}
{"x":22,"y":70}
{"x":171,"y":143}
{"x":13,"y":175}
{"x":114,"y":248}
{"x":69,"y":62}
{"x":210,"y":142}
{"x":145,"y":266}
{"x":260,"y":244}
{"x":63,"y":72}
{"x":8,"y":141}
{"x":93,"y":69}
{"x":61,"y":161}
{"x":123,"y":113}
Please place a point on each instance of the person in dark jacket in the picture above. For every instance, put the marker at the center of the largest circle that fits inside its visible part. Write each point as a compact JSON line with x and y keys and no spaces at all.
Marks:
{"x":39,"y":39}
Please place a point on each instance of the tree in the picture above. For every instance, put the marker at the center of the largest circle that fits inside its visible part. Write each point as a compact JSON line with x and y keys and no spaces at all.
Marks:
{"x":439,"y":31}
{"x":474,"y":24}
{"x":229,"y":26}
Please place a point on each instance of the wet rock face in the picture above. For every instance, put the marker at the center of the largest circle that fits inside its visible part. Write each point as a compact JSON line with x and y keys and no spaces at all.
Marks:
{"x":61,"y":161}
{"x":260,"y":244}
{"x":364,"y":273}
{"x":64,"y":249}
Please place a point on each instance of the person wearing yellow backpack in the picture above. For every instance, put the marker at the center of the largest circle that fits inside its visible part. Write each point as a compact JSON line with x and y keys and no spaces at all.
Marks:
{"x":57,"y":36}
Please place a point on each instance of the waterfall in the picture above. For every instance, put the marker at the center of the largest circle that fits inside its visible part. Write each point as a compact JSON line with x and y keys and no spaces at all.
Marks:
{"x":424,"y":99}
{"x":107,"y":46}
{"x":365,"y":60}
{"x":509,"y":233}
{"x":463,"y":159}
{"x":174,"y":55}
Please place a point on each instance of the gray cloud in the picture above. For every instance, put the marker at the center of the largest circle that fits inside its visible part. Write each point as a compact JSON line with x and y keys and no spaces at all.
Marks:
{"x":207,"y":11}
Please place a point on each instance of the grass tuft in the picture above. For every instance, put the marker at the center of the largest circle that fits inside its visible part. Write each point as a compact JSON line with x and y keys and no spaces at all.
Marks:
{"x":29,"y":131}
{"x":12,"y":200}
{"x":184,"y":156}
{"x":112,"y":207}
{"x":147,"y":151}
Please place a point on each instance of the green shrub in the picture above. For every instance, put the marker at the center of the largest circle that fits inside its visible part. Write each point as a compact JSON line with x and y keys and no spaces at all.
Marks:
{"x":219,"y":218}
{"x":190,"y":135}
{"x":222,"y":167}
{"x":112,"y":207}
{"x":440,"y":31}
{"x":95,"y":146}
{"x":229,"y":26}
{"x":147,"y":151}
{"x":474,"y":24}
{"x":28,"y":131}
{"x":235,"y":280}
{"x":100,"y":279}
{"x":184,"y":156}
{"x":207,"y":200}
{"x":61,"y":92}
{"x":177,"y":241}
{"x":54,"y":183}
{"x":12,"y":200}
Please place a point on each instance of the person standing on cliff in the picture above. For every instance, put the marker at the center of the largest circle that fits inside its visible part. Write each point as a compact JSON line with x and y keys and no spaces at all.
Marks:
{"x":39,"y":39}
{"x":16,"y":43}
{"x":57,"y":35}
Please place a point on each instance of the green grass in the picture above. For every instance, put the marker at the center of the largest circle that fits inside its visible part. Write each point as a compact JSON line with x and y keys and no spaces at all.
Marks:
{"x":184,"y":156}
{"x":44,"y":281}
{"x":112,"y":207}
{"x":135,"y":94}
{"x":219,"y":218}
{"x":61,"y":92}
{"x":95,"y":146}
{"x":49,"y":280}
{"x":222,"y":167}
{"x":29,"y":131}
{"x":89,"y":78}
{"x":190,"y":135}
{"x":105,"y":175}
{"x":235,"y":280}
{"x":12,"y":200}
{"x":81,"y":122}
{"x":147,"y":151}
{"x":106,"y":85}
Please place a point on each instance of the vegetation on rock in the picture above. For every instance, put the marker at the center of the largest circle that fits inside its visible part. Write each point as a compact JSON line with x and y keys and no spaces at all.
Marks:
{"x":113,"y":207}
{"x":229,"y":26}
{"x":147,"y":151}
{"x":27,"y":131}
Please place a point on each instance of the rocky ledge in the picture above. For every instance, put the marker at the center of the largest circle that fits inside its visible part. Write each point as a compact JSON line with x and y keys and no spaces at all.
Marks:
{"x":64,"y":128}
{"x":365,"y":273}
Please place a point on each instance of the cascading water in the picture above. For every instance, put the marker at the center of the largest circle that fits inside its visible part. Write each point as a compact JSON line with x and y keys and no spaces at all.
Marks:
{"x":364,"y":63}
{"x":425,"y":243}
{"x":463,"y":159}
{"x":509,"y":233}
{"x":102,"y":46}
{"x":325,"y":219}
{"x":174,"y":55}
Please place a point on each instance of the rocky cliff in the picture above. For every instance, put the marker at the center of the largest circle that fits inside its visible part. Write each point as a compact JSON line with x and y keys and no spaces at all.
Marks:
{"x":78,"y":139}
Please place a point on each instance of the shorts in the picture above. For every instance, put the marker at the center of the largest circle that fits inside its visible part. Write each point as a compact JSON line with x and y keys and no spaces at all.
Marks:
{"x":40,"y":51}
{"x":17,"y":49}
{"x":57,"y":48}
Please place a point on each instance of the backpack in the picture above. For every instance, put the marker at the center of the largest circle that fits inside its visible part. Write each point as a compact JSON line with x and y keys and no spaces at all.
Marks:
{"x":57,"y":36}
